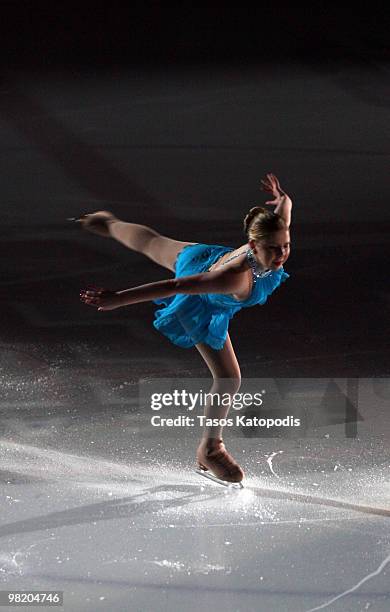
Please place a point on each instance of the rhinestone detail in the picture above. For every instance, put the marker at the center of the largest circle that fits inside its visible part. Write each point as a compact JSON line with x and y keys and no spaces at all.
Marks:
{"x":257,"y":271}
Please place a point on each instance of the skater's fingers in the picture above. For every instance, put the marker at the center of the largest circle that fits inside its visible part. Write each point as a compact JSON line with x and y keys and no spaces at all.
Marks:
{"x":266,"y":186}
{"x":91,"y":294}
{"x":94,"y":288}
{"x":87,"y":296}
{"x":90,"y":300}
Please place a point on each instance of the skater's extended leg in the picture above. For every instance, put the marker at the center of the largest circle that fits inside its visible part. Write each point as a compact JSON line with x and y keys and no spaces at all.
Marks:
{"x":149,"y":242}
{"x":140,"y":238}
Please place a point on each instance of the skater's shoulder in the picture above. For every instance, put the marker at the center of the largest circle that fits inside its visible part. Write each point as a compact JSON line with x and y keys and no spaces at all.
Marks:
{"x":233,"y":258}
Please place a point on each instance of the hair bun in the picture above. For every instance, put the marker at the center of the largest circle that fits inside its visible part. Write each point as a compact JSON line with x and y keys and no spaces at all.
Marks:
{"x":251,"y":215}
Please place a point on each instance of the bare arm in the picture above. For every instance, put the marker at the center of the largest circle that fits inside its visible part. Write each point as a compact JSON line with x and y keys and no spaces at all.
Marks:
{"x":284,"y":209}
{"x":282,"y":201}
{"x":218,"y":281}
{"x":229,"y":280}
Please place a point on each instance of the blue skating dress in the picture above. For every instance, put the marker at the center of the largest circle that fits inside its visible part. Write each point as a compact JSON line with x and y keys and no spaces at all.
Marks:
{"x":187,"y":319}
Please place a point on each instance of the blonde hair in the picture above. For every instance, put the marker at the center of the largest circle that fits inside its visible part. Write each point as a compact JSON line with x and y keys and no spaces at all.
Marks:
{"x":260,"y":223}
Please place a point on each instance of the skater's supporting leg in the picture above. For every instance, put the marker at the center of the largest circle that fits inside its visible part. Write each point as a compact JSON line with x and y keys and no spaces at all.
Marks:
{"x":221,"y":363}
{"x":220,"y":390}
{"x":226,"y":373}
{"x":211,"y":453}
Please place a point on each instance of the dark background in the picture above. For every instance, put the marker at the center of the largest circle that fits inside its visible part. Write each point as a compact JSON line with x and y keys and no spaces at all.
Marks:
{"x":168,"y":114}
{"x":129,"y":33}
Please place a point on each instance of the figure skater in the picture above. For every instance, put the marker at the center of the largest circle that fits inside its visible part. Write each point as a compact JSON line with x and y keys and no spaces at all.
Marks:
{"x":211,"y":284}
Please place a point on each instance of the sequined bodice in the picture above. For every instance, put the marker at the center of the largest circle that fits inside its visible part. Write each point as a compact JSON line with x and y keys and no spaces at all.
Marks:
{"x":257,"y":272}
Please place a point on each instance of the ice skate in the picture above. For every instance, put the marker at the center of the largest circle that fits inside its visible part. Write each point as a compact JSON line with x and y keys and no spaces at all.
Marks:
{"x":215,"y":463}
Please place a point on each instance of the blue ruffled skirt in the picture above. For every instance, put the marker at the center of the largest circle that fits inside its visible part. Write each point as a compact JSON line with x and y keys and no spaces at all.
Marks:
{"x":188,"y":319}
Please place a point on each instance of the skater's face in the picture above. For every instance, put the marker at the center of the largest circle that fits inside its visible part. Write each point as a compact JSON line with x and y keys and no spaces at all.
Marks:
{"x":272,"y":252}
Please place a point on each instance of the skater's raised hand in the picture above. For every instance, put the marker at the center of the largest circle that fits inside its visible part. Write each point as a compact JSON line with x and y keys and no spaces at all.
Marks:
{"x":272,"y":185}
{"x":102,"y":299}
{"x":98,"y":222}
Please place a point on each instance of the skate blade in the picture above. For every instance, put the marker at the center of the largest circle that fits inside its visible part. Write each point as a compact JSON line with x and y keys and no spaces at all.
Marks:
{"x":225,"y":483}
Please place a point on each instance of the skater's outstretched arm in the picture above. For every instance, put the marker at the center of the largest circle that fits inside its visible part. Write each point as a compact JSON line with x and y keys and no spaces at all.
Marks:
{"x":282,"y":201}
{"x":231,"y":280}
